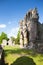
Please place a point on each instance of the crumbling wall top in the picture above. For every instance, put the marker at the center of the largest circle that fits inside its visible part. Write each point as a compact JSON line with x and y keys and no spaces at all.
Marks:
{"x":32,"y":13}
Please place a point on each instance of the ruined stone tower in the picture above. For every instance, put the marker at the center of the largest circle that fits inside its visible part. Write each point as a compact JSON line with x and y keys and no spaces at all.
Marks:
{"x":29,"y":28}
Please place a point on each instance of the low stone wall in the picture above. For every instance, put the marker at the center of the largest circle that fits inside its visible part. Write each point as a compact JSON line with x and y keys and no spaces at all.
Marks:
{"x":40,"y":47}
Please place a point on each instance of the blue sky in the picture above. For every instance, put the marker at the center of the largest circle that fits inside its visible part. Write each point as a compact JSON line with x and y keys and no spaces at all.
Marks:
{"x":12,"y":11}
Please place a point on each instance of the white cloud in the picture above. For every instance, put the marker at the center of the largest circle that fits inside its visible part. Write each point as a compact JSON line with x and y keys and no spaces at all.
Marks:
{"x":13,"y":32}
{"x":2,"y":25}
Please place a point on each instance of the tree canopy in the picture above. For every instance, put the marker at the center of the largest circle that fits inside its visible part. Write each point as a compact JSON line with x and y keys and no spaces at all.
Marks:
{"x":3,"y":36}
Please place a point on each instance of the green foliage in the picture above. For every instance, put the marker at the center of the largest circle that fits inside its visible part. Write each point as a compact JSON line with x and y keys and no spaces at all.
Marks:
{"x":0,"y":40}
{"x":13,"y":39}
{"x":3,"y":36}
{"x":18,"y":38}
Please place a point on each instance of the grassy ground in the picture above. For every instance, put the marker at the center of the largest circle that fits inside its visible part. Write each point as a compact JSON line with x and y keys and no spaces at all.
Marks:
{"x":16,"y":56}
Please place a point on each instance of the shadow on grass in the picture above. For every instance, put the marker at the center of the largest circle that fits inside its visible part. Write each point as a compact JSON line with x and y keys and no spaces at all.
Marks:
{"x":20,"y":51}
{"x":24,"y":61}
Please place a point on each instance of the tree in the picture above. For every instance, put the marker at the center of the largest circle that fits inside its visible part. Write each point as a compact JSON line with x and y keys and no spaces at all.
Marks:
{"x":0,"y":40}
{"x":3,"y":36}
{"x":18,"y":38}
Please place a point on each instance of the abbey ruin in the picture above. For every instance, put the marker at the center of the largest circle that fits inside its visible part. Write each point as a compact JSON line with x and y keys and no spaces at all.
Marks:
{"x":31,"y":30}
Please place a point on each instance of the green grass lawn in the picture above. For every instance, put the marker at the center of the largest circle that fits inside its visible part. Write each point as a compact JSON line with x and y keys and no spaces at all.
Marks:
{"x":16,"y":56}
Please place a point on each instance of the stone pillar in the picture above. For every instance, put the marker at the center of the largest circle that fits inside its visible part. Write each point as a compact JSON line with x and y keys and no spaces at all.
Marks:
{"x":25,"y":39}
{"x":21,"y":40}
{"x":29,"y":28}
{"x":25,"y":33}
{"x":21,"y":33}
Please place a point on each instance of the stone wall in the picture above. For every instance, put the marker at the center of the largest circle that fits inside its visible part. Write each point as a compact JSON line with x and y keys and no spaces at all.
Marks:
{"x":30,"y":28}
